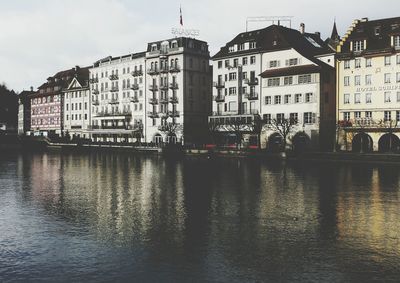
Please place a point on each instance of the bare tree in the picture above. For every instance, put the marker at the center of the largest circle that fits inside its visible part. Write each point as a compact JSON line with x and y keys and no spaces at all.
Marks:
{"x":171,"y":129}
{"x":283,"y":127}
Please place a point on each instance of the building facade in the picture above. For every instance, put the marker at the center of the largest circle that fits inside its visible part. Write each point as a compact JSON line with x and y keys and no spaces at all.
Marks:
{"x":271,"y":75}
{"x":178,"y":91}
{"x":117,"y":86}
{"x":24,"y":111}
{"x":76,"y":106}
{"x":368,"y":86}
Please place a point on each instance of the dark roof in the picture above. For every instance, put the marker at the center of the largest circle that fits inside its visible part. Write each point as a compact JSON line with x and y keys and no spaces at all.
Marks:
{"x":110,"y":58}
{"x":275,"y":38}
{"x":377,"y":33}
{"x":182,"y":42}
{"x":289,"y":71}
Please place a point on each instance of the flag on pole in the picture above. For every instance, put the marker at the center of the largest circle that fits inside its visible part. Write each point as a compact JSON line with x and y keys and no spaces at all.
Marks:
{"x":181,"y":19}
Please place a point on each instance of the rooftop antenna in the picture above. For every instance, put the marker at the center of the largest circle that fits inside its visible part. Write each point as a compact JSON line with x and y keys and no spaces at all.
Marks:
{"x":271,"y":19}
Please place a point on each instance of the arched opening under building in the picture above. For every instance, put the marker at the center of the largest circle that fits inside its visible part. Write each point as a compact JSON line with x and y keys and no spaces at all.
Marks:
{"x":301,"y":142}
{"x":362,"y":143}
{"x":389,"y":143}
{"x":171,"y":139}
{"x":275,"y":142}
{"x":158,"y":139}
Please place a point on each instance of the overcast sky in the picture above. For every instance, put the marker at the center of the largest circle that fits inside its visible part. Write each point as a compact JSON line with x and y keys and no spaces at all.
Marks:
{"x":40,"y":37}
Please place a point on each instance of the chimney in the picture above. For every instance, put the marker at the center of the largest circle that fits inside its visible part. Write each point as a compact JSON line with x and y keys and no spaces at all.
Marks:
{"x":318,"y":34}
{"x":76,"y":68}
{"x":31,"y":88}
{"x":302,"y":28}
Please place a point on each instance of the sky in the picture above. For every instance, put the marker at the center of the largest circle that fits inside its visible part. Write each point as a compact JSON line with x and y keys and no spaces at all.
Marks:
{"x":41,"y":37}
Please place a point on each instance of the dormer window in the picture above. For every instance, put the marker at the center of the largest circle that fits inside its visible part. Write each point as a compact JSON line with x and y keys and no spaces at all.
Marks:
{"x":377,"y":30}
{"x":358,"y":45}
{"x":154,"y":47}
{"x":241,"y":47}
{"x":252,"y":45}
{"x":174,"y":44}
{"x":396,"y":41}
{"x":232,"y":48}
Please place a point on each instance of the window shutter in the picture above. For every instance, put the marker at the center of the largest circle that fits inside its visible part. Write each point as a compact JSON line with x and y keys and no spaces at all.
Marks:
{"x":278,"y":64}
{"x":313,"y":118}
{"x":287,"y":62}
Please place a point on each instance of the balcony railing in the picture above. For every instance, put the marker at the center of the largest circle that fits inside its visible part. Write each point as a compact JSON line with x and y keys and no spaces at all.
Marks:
{"x":153,"y":101}
{"x":113,"y":101}
{"x":134,"y":86}
{"x":163,"y":100}
{"x":153,"y":87}
{"x":164,"y":69}
{"x":137,"y":73}
{"x":95,"y":102}
{"x":114,"y":89}
{"x":219,"y":98}
{"x":134,"y":99}
{"x":173,"y":100}
{"x":252,"y":96}
{"x":94,"y":80}
{"x":113,"y":113}
{"x":113,"y":77}
{"x":164,"y":86}
{"x":173,"y":113}
{"x":251,"y":81}
{"x":174,"y":69}
{"x":173,"y":85}
{"x":219,"y":84}
{"x":95,"y":91}
{"x":163,"y":115}
{"x":360,"y":123}
{"x":152,"y":114}
{"x":153,"y":71}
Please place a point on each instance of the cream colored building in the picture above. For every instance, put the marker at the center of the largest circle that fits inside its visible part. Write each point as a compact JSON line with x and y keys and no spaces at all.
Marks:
{"x":368,"y":86}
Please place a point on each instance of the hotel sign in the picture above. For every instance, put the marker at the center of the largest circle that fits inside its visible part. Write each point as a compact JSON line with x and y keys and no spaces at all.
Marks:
{"x":378,"y":88}
{"x":185,"y":32}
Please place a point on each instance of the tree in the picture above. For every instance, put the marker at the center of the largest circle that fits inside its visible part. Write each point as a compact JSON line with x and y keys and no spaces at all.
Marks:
{"x":283,"y":127}
{"x":171,"y":129}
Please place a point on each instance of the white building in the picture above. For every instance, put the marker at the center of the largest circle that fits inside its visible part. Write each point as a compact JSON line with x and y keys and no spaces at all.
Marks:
{"x":178,"y":90}
{"x":117,"y":87}
{"x":273,"y":74}
{"x":76,"y":106}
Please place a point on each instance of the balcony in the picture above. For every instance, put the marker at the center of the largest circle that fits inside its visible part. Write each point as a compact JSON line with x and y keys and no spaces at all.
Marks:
{"x":153,"y":87}
{"x":173,"y":113}
{"x":173,"y":100}
{"x":95,"y":102}
{"x":164,"y":86}
{"x":134,"y":86}
{"x":95,"y":91}
{"x":153,"y":71}
{"x":94,"y":80}
{"x":174,"y":69}
{"x":163,"y":100}
{"x":252,"y":96}
{"x":113,"y":77}
{"x":219,"y":98}
{"x":251,"y":81}
{"x":153,"y":101}
{"x":152,"y":114}
{"x":113,"y":113}
{"x":114,"y":89}
{"x":163,"y":115}
{"x":219,"y":84}
{"x":137,"y":73}
{"x":164,"y":69}
{"x":113,"y":101}
{"x":173,"y":85}
{"x":134,"y":99}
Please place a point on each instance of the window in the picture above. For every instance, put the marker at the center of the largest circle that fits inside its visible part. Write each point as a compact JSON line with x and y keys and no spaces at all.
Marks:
{"x":368,"y":98}
{"x":232,"y":48}
{"x":232,"y":76}
{"x":294,"y":117}
{"x":297,"y":98}
{"x":357,"y":98}
{"x":304,"y":79}
{"x":232,"y":91}
{"x":219,"y":64}
{"x":398,"y":59}
{"x":267,"y":100}
{"x":241,"y":47}
{"x":286,"y":99}
{"x":387,"y":78}
{"x":346,"y":98}
{"x":368,"y":62}
{"x":347,"y":64}
{"x":273,"y":64}
{"x":288,"y":80}
{"x":398,"y":96}
{"x":252,"y":60}
{"x":227,"y":64}
{"x":357,"y":115}
{"x":346,"y":116}
{"x":398,"y":77}
{"x":292,"y":62}
{"x":267,"y":118}
{"x":280,"y":117}
{"x":387,"y":116}
{"x":273,"y":82}
{"x":396,"y":41}
{"x":368,"y":79}
{"x":277,"y":99}
{"x":357,"y":80}
{"x":388,"y":60}
{"x":309,"y":97}
{"x":244,"y":61}
{"x":252,"y":45}
{"x":357,"y":63}
{"x":368,"y":114}
{"x":358,"y":45}
{"x":346,"y":81}
{"x":387,"y":96}
{"x":308,"y":118}
{"x":235,"y":62}
{"x":397,"y":116}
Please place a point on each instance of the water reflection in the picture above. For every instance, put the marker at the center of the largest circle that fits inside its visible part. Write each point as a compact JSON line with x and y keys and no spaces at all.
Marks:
{"x":198,"y":219}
